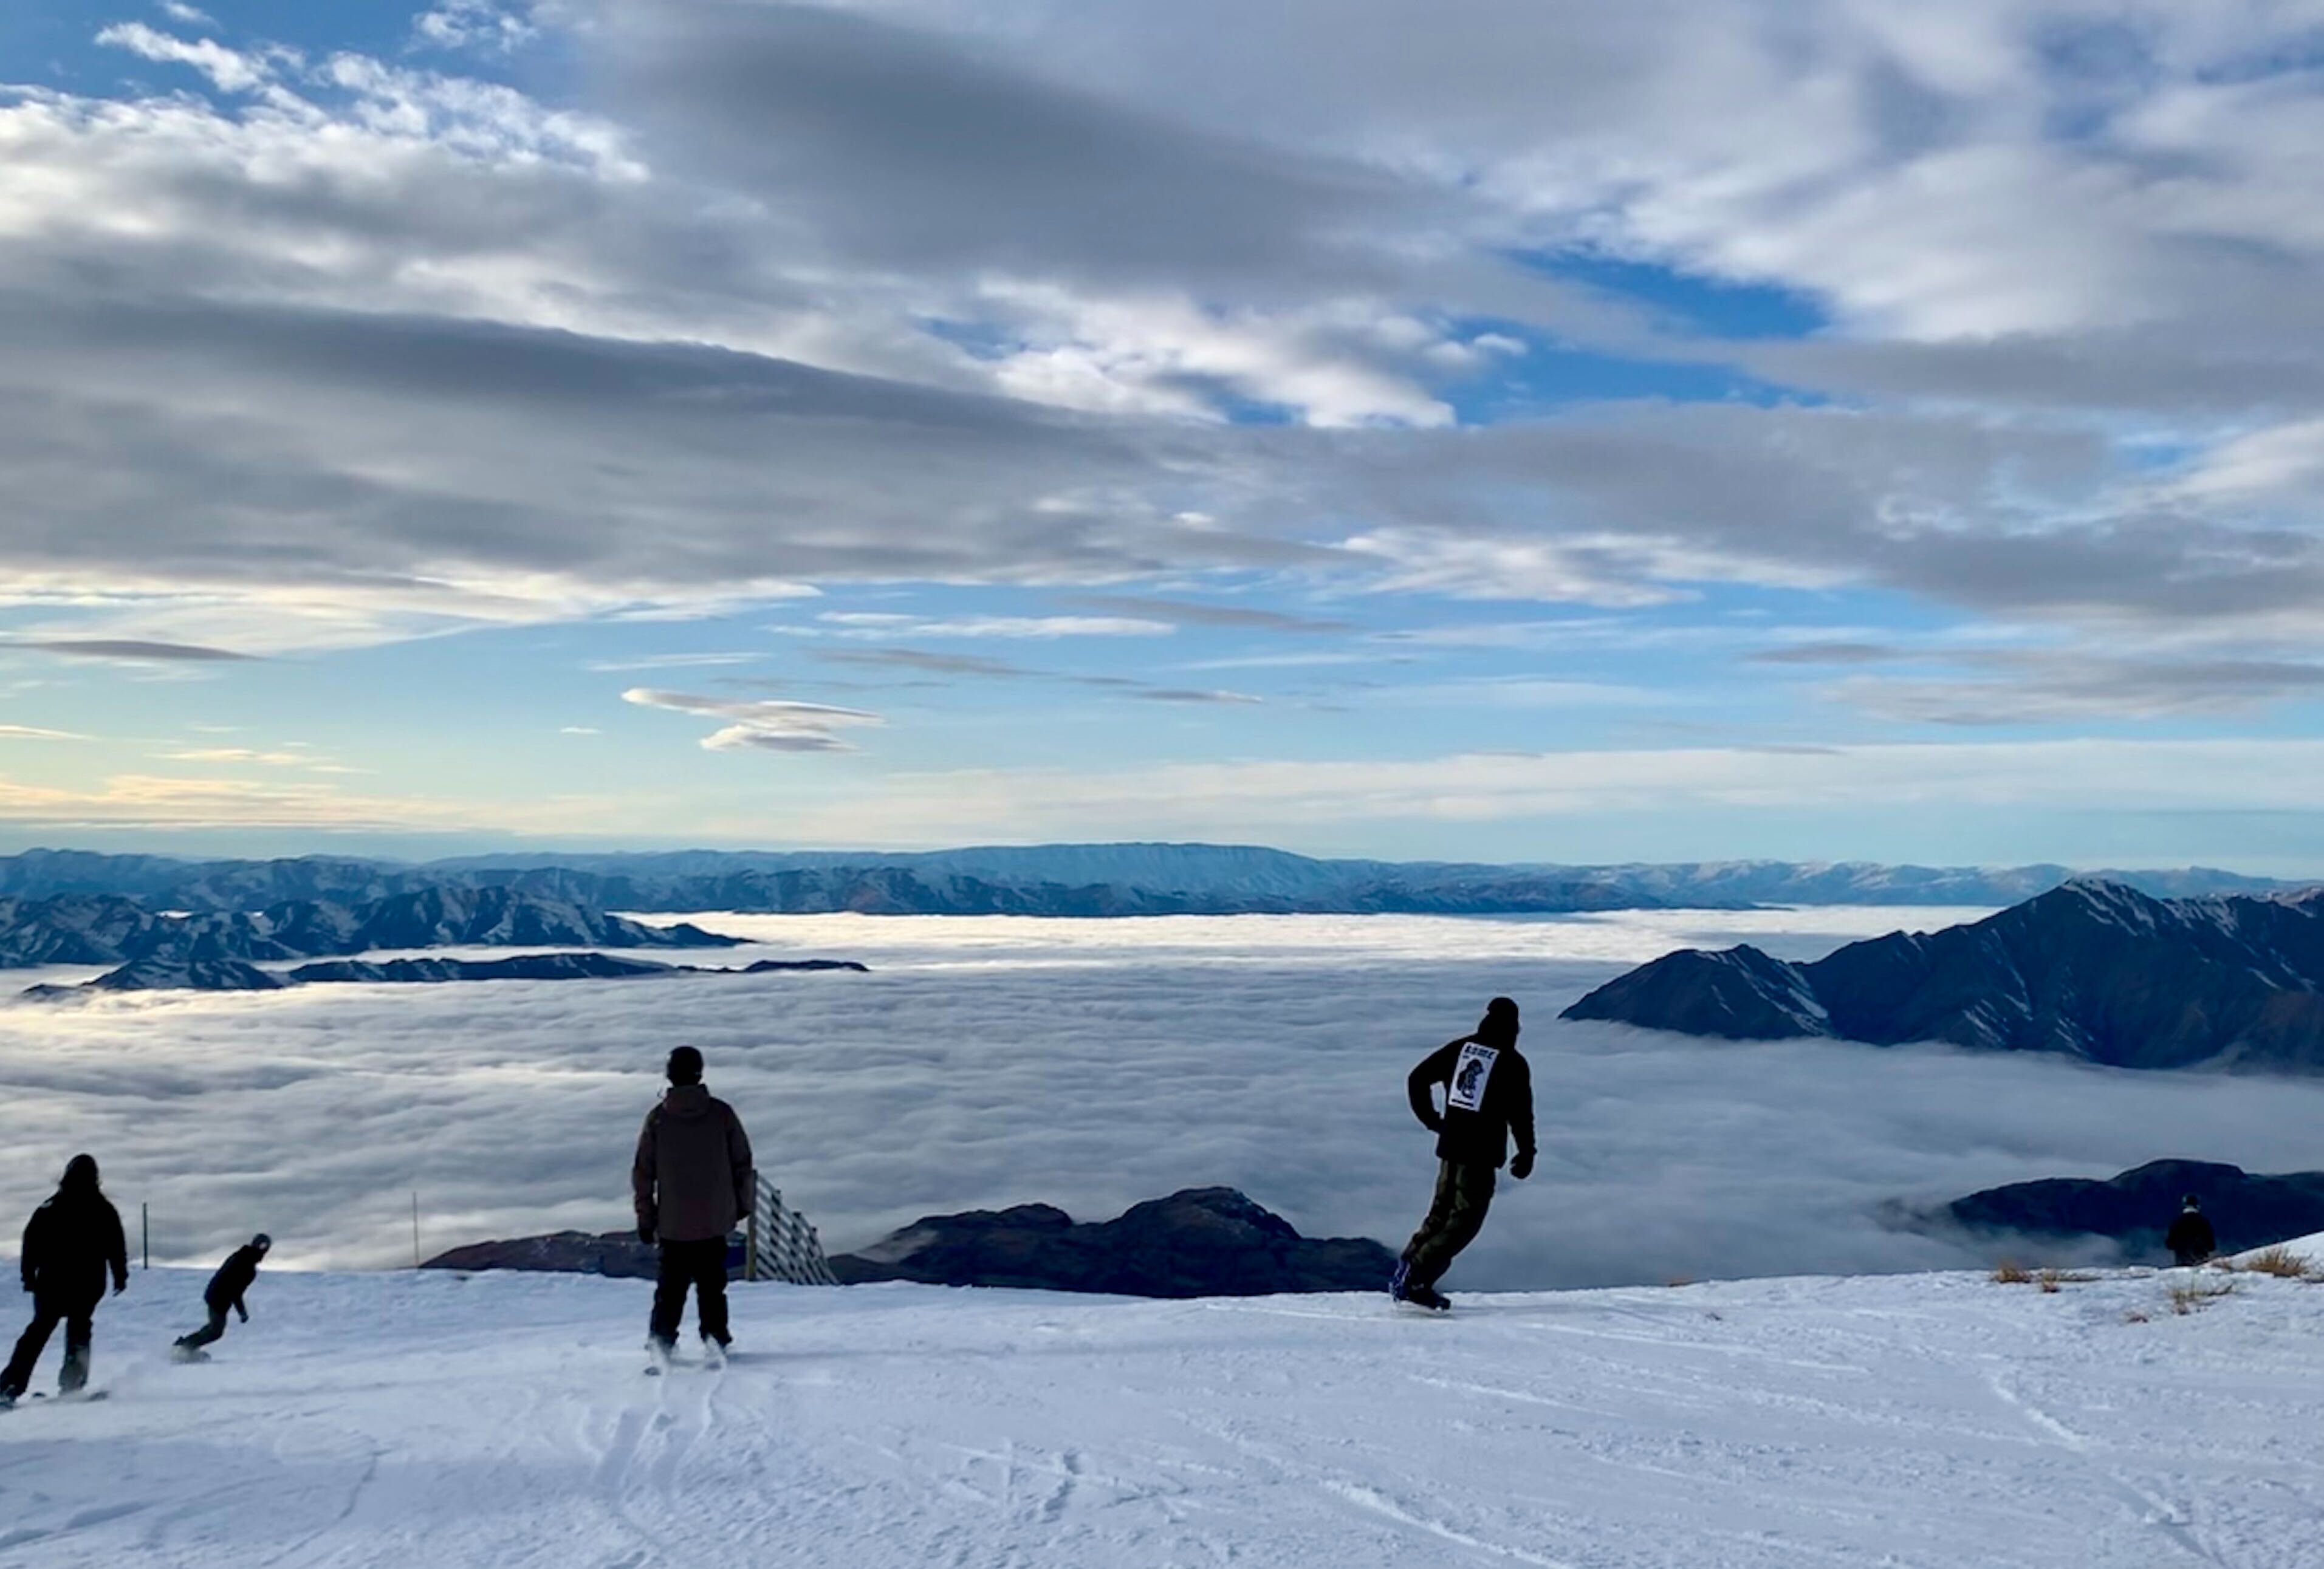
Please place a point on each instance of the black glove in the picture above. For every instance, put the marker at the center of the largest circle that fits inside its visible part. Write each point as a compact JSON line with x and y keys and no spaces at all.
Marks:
{"x":646,"y":1232}
{"x":244,"y":1311}
{"x":121,"y":1285}
{"x":1433,"y":1125}
{"x":1522,"y":1167}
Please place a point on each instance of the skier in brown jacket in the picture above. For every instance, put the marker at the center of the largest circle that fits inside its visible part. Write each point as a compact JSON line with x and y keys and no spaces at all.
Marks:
{"x":692,"y":1184}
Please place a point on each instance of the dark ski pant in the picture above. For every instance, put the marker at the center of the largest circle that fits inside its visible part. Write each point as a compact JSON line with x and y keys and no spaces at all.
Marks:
{"x":77,"y":1314}
{"x":1464,"y":1192}
{"x":213,"y":1330}
{"x":703,"y":1266}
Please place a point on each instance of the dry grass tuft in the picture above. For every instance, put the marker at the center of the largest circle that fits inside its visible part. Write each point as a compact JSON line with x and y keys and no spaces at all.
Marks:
{"x":2186,"y":1300}
{"x":2136,"y":1316}
{"x":2049,"y":1280}
{"x":2281,"y":1262}
{"x":2010,"y":1272}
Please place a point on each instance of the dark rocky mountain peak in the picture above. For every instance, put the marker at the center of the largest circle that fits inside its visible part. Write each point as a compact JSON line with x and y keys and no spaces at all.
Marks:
{"x":2091,"y":969}
{"x":1202,"y":1241}
{"x":2136,"y":1207}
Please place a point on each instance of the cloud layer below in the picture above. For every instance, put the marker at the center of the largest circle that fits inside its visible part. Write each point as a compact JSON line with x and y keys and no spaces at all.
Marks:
{"x":1089,"y":1064}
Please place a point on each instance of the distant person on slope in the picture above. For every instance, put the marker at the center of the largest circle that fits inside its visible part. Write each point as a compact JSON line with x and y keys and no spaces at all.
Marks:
{"x":224,"y":1291}
{"x":2190,"y":1238}
{"x":73,"y":1241}
{"x":692,"y":1183}
{"x":1488,"y":1097}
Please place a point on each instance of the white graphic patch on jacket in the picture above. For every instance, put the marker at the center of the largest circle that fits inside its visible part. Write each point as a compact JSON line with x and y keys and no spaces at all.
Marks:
{"x":1471,"y":1073}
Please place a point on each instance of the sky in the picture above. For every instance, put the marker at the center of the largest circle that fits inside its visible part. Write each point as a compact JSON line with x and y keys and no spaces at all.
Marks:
{"x":1500,"y":429}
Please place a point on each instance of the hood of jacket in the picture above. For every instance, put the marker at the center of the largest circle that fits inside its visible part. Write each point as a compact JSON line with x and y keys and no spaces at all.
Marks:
{"x":687,"y":1101}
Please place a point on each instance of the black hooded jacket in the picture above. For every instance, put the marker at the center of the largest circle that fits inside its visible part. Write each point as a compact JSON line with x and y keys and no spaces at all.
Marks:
{"x":73,"y":1240}
{"x":1488,"y":1098}
{"x":2191,"y":1237}
{"x":233,"y":1279}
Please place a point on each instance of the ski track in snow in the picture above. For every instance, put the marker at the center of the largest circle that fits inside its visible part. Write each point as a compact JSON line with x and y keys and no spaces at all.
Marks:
{"x":1922,"y":1422}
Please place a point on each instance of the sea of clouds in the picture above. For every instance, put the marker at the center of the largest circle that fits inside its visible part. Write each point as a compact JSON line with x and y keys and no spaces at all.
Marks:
{"x":1089,"y":1064}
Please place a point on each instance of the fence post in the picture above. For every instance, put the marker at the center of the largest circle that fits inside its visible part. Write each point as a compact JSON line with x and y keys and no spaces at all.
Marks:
{"x":781,"y":1244}
{"x":145,"y":1233}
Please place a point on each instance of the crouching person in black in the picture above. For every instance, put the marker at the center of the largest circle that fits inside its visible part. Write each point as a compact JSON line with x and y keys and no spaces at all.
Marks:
{"x":73,"y":1241}
{"x":1488,"y":1099}
{"x":226,"y":1291}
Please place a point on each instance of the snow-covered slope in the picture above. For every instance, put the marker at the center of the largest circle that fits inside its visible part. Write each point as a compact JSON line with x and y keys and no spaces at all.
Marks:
{"x":502,"y":1420}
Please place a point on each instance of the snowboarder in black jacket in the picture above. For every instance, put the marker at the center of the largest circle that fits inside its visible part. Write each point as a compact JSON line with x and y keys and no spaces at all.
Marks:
{"x":73,"y":1241}
{"x":224,"y":1291}
{"x":1487,"y":1089}
{"x":2190,"y":1238}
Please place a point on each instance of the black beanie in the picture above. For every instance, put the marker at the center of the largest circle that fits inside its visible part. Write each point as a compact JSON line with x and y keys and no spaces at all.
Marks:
{"x":685,"y":1066}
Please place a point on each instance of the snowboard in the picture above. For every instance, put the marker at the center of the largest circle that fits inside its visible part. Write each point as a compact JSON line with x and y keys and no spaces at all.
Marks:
{"x":77,"y":1398}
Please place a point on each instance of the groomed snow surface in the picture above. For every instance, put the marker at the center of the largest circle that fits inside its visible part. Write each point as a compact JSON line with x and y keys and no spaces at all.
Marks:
{"x":504,"y":1420}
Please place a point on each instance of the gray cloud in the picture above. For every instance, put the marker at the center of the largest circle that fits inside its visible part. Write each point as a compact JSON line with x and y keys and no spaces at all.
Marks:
{"x":673,"y":341}
{"x":1245,"y":617}
{"x":761,"y":724}
{"x":2044,"y":686}
{"x":1832,"y":653}
{"x":1193,"y":695}
{"x":899,"y":144}
{"x":130,"y":650}
{"x":926,"y":663}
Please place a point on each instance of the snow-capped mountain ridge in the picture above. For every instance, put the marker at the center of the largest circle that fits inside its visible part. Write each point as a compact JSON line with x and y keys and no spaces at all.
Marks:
{"x":1064,"y":880}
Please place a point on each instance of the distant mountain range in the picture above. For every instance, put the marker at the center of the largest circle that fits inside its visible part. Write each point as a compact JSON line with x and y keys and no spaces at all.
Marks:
{"x":180,"y":972}
{"x":2093,"y":969}
{"x":82,"y":928}
{"x":2134,"y":1209}
{"x":1057,"y":880}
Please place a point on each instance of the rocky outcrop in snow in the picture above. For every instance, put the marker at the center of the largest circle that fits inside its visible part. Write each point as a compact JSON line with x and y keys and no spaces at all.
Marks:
{"x":2134,"y":1209}
{"x":1202,"y":1241}
{"x":618,"y":1254}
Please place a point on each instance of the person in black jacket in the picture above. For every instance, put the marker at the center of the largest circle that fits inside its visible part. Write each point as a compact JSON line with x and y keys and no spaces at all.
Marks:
{"x":692,"y":1183}
{"x":73,"y":1240}
{"x":224,"y":1291}
{"x":2190,"y":1238}
{"x":1488,"y":1088}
